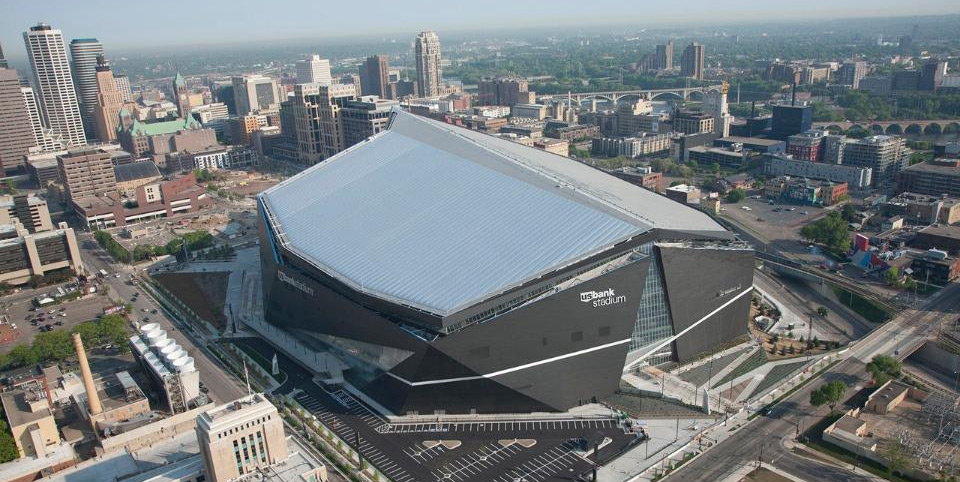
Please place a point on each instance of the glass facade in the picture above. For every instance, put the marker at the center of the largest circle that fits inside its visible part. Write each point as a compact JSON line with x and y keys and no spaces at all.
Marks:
{"x":653,"y":324}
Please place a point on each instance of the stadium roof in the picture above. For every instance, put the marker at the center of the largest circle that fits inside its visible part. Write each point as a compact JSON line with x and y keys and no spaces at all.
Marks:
{"x":439,"y":217}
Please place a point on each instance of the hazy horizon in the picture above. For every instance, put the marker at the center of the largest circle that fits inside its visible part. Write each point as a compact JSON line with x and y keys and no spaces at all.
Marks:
{"x":182,"y":23}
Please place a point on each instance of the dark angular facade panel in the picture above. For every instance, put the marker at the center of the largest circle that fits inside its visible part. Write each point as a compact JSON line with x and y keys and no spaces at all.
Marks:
{"x":698,"y":281}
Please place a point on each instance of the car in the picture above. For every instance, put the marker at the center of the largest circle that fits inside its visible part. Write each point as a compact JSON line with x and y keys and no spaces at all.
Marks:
{"x":791,"y":209}
{"x":804,"y":213}
{"x":760,"y":220}
{"x":59,"y":323}
{"x":777,"y":210}
{"x":63,"y":315}
{"x":154,"y":311}
{"x":62,"y":310}
{"x":145,"y":310}
{"x":51,"y":312}
{"x":133,"y":300}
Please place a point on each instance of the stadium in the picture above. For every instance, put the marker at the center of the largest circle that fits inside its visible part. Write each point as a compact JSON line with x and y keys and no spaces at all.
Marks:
{"x":457,"y":272}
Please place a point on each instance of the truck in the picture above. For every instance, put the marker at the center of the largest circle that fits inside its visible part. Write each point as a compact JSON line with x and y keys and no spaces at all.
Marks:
{"x":103,"y":273}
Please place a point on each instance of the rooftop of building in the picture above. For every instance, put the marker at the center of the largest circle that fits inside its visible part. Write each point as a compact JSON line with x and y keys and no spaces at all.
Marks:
{"x":135,"y":171}
{"x":439,"y":217}
{"x":32,"y":200}
{"x":36,"y":236}
{"x":16,"y":406}
{"x":943,"y":230}
{"x":751,"y":140}
{"x":718,"y":150}
{"x":938,"y":168}
{"x":138,"y":128}
{"x":914,"y":198}
{"x":683,"y":188}
{"x":235,"y":411}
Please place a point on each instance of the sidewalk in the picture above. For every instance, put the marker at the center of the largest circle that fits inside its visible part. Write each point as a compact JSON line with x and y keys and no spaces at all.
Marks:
{"x":745,"y":470}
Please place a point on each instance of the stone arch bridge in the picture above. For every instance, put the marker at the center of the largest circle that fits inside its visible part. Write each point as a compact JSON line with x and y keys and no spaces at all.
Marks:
{"x":896,"y":127}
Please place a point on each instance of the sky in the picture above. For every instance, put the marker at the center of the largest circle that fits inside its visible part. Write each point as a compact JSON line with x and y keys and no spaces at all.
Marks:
{"x":123,"y":24}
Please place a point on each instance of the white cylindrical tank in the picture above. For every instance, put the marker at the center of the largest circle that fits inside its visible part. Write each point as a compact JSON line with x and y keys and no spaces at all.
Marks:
{"x":149,"y":327}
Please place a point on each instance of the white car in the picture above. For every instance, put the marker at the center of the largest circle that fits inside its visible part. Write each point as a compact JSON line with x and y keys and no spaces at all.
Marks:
{"x":746,"y":208}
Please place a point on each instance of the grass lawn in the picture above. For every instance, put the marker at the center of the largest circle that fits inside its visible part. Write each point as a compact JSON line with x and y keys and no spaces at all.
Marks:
{"x":862,"y":306}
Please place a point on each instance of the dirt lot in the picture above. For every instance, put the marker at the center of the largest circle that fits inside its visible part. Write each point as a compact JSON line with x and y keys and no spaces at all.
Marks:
{"x":204,"y":293}
{"x":764,"y":475}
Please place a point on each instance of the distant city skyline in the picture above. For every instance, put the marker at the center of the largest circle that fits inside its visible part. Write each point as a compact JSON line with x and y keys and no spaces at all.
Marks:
{"x":211,"y":23}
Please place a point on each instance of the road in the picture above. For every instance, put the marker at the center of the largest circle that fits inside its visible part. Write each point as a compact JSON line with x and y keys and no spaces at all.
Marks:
{"x":769,"y":432}
{"x":223,"y":386}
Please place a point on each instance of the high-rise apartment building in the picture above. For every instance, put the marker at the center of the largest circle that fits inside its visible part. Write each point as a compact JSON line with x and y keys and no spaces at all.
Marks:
{"x":253,"y":93}
{"x":429,"y":73}
{"x":691,"y":62}
{"x":54,"y":83}
{"x":109,"y":103}
{"x":884,"y":154}
{"x":365,"y":117}
{"x":41,"y":136}
{"x":86,"y":172}
{"x":375,"y":76}
{"x":240,"y":437}
{"x":316,"y":112}
{"x":664,"y":57}
{"x":16,"y":134}
{"x":931,"y":75}
{"x":123,"y":85}
{"x":3,"y":60}
{"x":84,"y":53}
{"x":314,"y":70}
{"x":851,"y":73}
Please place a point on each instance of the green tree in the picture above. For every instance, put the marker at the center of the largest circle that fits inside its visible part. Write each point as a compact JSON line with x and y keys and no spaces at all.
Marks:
{"x":828,"y":394}
{"x":53,"y":345}
{"x":823,"y":311}
{"x":23,"y":355}
{"x":736,"y":195}
{"x":899,"y":460}
{"x":89,"y":333}
{"x":831,"y":231}
{"x":882,"y":368}
{"x":8,"y":447}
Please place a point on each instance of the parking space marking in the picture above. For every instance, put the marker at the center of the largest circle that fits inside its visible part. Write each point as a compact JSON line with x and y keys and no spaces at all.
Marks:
{"x":472,"y":464}
{"x":495,"y":426}
{"x":543,"y":466}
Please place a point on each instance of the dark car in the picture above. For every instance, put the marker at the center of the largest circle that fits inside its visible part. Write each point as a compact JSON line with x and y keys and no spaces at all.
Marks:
{"x":59,"y":323}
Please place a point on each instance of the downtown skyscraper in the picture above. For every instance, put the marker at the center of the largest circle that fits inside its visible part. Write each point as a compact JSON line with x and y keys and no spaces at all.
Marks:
{"x":16,"y":136}
{"x":83,"y":53}
{"x":53,"y":80}
{"x":314,"y":70}
{"x":375,"y":75}
{"x":427,"y":53}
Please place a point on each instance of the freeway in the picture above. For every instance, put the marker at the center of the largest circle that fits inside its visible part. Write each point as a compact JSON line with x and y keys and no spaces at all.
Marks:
{"x":223,"y":387}
{"x":795,"y":412}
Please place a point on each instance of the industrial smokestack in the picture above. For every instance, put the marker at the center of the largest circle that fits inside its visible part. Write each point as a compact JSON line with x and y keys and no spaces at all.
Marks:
{"x":93,"y":400}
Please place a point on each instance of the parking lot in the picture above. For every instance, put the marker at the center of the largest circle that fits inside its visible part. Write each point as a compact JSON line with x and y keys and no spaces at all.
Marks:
{"x":502,"y":451}
{"x":65,"y":316}
{"x":778,"y":223}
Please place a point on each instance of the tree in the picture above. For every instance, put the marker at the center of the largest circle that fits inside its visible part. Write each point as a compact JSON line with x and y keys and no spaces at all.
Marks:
{"x":53,"y":345}
{"x":23,"y":355}
{"x":823,"y":311}
{"x":898,"y":458}
{"x":736,"y":195}
{"x":892,"y":277}
{"x":828,"y":394}
{"x":882,"y":368}
{"x":8,"y":447}
{"x":831,"y":231}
